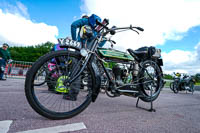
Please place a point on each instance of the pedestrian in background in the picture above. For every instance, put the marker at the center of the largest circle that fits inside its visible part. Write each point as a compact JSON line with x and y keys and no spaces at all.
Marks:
{"x":4,"y":58}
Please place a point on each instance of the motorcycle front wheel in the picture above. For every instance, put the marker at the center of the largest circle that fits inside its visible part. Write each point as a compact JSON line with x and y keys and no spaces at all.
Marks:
{"x":60,"y":105}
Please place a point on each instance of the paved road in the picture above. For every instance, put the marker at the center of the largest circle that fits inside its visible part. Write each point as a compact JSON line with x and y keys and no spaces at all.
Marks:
{"x":175,"y":113}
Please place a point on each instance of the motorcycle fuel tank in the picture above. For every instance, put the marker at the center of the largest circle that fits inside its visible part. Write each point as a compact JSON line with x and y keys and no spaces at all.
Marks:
{"x":112,"y":53}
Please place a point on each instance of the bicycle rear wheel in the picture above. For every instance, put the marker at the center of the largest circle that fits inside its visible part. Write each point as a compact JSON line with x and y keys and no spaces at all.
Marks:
{"x":53,"y":105}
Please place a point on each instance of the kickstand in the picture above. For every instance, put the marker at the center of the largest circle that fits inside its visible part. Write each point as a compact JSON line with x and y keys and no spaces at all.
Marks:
{"x":151,"y":109}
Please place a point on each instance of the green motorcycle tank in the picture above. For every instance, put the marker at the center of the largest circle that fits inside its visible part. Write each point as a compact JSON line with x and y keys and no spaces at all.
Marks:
{"x":115,"y":54}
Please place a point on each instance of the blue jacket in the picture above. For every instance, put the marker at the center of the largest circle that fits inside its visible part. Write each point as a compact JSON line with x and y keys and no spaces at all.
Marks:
{"x":78,"y":24}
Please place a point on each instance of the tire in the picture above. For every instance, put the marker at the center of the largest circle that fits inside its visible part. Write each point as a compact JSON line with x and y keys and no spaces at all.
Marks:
{"x":175,"y":87}
{"x":35,"y":94}
{"x":191,"y":85}
{"x":154,"y":84}
{"x":163,"y":82}
{"x":171,"y":86}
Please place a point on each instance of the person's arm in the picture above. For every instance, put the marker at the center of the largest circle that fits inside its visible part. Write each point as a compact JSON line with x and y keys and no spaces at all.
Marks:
{"x":77,"y":24}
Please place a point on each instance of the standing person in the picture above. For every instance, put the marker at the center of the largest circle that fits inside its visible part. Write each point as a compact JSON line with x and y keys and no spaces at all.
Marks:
{"x":4,"y":57}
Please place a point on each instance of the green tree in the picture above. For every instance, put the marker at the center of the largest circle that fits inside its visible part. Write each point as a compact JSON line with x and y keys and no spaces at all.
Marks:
{"x":168,"y":76}
{"x":30,"y":53}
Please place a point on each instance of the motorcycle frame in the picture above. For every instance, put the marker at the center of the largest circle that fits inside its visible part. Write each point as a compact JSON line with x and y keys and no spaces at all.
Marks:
{"x":89,"y":59}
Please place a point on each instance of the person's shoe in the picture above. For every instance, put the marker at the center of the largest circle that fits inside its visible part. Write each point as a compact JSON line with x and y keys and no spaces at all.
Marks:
{"x":69,"y":97}
{"x":2,"y":79}
{"x":60,"y":87}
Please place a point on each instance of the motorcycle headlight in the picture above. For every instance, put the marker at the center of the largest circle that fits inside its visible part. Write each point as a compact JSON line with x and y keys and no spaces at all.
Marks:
{"x":83,"y":52}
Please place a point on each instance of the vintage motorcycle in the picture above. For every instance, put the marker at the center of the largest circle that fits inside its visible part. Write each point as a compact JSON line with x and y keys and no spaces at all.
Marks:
{"x":135,"y":74}
{"x":183,"y":84}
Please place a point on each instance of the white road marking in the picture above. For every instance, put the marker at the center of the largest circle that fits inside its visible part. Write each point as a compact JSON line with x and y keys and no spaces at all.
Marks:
{"x":58,"y":129}
{"x":5,"y":125}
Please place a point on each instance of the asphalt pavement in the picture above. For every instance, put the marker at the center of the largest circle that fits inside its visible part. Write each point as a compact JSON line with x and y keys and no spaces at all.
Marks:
{"x":175,"y":113}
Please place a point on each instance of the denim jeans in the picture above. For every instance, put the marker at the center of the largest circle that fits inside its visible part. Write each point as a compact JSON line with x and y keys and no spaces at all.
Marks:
{"x":2,"y":66}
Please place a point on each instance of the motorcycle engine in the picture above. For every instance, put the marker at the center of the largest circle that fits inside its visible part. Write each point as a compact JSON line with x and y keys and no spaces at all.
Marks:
{"x":120,"y":72}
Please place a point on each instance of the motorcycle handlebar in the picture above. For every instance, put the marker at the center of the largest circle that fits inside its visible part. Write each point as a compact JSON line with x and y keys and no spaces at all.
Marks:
{"x":113,"y":30}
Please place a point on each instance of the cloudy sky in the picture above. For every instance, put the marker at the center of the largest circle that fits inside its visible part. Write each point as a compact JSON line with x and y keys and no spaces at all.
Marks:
{"x":171,"y":25}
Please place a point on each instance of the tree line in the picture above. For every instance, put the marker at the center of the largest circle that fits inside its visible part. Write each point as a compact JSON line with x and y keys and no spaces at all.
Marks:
{"x":30,"y":53}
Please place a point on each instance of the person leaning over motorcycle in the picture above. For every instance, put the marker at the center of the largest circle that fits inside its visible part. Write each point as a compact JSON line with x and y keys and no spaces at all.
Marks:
{"x":4,"y":57}
{"x":178,"y":74}
{"x":85,"y":21}
{"x":79,"y":24}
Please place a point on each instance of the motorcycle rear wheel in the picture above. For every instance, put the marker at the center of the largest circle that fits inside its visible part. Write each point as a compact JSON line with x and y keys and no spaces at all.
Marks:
{"x":51,"y":105}
{"x":150,"y":78}
{"x":191,"y":85}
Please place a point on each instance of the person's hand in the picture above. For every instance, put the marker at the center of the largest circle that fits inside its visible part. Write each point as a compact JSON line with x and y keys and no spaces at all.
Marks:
{"x":0,"y":58}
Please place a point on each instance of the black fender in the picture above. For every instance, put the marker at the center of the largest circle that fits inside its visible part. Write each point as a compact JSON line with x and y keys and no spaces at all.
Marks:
{"x":97,"y":85}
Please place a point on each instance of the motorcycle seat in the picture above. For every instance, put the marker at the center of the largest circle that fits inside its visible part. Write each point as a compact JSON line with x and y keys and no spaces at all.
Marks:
{"x":137,"y":54}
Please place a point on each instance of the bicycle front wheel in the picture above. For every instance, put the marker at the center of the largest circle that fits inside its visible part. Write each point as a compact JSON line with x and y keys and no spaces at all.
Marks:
{"x":55,"y":99}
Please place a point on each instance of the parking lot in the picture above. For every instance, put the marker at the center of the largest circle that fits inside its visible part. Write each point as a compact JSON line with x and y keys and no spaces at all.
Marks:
{"x":175,"y":113}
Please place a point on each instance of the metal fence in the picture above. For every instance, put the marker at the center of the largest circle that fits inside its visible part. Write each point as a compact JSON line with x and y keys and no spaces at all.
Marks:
{"x":17,"y":69}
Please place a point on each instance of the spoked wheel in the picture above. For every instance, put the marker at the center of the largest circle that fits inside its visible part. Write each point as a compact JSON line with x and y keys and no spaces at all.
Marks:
{"x":171,"y":86}
{"x":51,"y":79}
{"x":175,"y":87}
{"x":150,"y":81}
{"x":191,"y":85}
{"x":72,"y":99}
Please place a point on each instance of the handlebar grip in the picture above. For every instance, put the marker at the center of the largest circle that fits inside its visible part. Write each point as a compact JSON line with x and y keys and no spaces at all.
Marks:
{"x":112,"y":32}
{"x":140,"y":29}
{"x":99,"y":23}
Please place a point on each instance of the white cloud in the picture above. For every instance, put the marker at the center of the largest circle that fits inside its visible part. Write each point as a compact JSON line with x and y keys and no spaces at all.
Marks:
{"x":178,"y":56}
{"x":181,"y":61}
{"x":18,"y":8}
{"x":23,"y":9}
{"x":197,"y":48}
{"x":18,"y":30}
{"x":161,"y":19}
